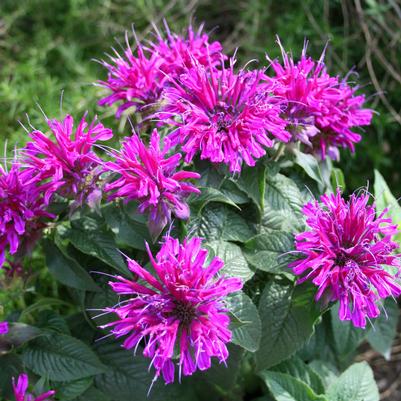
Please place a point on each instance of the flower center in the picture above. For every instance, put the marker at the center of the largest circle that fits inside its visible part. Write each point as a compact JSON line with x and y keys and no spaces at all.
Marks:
{"x":184,"y":311}
{"x":223,"y":117}
{"x":341,"y":259}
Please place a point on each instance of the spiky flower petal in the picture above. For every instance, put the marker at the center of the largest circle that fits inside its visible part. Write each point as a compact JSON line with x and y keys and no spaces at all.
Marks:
{"x":21,"y":388}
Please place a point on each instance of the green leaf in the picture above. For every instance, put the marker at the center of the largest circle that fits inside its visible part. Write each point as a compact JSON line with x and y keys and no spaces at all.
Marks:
{"x":287,"y":388}
{"x":217,"y":222}
{"x":297,"y":368}
{"x":246,"y":327}
{"x":288,"y":315}
{"x":283,"y":205}
{"x":327,"y":371}
{"x":231,"y":190}
{"x":42,"y":304}
{"x":310,"y":165}
{"x":211,"y":174}
{"x":381,"y":336}
{"x":320,"y":345}
{"x":347,"y":337}
{"x":385,"y":199}
{"x":127,"y":376}
{"x":93,"y":394}
{"x":51,"y":320}
{"x":10,"y":367}
{"x":67,"y":270}
{"x":92,"y":239}
{"x":235,"y":264}
{"x":127,"y":231}
{"x":356,"y":383}
{"x":208,"y":195}
{"x":221,"y":380}
{"x":98,"y":301}
{"x":71,"y":390}
{"x":268,"y":251}
{"x":18,"y":334}
{"x":61,"y":358}
{"x":337,"y":178}
{"x":252,"y":181}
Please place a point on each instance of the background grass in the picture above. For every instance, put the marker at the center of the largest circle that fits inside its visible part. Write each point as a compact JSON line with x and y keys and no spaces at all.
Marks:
{"x":47,"y":46}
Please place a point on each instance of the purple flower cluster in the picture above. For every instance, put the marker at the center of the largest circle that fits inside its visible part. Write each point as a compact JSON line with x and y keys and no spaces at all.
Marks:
{"x":226,"y":117}
{"x":322,"y":110}
{"x":68,"y":163}
{"x":230,"y":116}
{"x":138,"y":78}
{"x":346,"y":251}
{"x":21,"y":388}
{"x":3,"y":328}
{"x":147,"y":175}
{"x":177,"y":52}
{"x":134,"y":79}
{"x":22,"y":209}
{"x":179,"y":309}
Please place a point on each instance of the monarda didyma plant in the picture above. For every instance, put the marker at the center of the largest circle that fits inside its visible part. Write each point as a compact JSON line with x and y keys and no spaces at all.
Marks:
{"x":213,"y":253}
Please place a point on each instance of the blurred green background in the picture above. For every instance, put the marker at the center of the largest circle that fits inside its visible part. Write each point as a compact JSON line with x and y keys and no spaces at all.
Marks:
{"x":48,"y":46}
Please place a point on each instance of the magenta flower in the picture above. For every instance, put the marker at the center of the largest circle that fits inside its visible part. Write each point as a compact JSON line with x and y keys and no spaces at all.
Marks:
{"x":137,"y":78}
{"x":180,"y":313}
{"x":322,"y":110}
{"x":3,"y":328}
{"x":227,"y":117}
{"x":345,"y":253}
{"x":147,"y":175}
{"x":20,"y":391}
{"x":69,"y":162}
{"x":178,"y":52}
{"x":134,"y":79}
{"x":22,"y":210}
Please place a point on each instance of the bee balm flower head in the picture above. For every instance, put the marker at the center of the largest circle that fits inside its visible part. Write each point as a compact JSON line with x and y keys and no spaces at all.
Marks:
{"x":181,"y":308}
{"x":224,"y":116}
{"x":147,"y":174}
{"x":345,"y":252}
{"x":322,"y":110}
{"x":134,"y":79}
{"x":137,"y":78}
{"x":178,"y":51}
{"x":68,"y":161}
{"x":22,"y":209}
